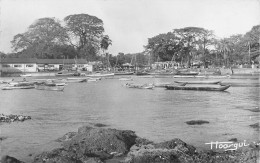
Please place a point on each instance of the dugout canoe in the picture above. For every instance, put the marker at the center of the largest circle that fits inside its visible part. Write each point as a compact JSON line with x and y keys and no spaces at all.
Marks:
{"x":221,"y":88}
{"x":198,"y":82}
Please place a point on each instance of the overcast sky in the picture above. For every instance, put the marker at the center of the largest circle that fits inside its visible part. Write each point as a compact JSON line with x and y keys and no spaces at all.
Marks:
{"x":129,"y":23}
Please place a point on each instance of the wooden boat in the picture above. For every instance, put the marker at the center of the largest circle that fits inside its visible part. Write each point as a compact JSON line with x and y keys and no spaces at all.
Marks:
{"x":221,"y":88}
{"x":198,"y":82}
{"x":123,"y":73}
{"x":17,"y":87}
{"x":188,"y":76}
{"x":49,"y":87}
{"x":100,"y":75}
{"x":217,"y":76}
{"x":186,"y":73}
{"x":26,"y":75}
{"x":74,"y":80}
{"x":144,"y":86}
{"x":67,"y":73}
{"x":166,"y":84}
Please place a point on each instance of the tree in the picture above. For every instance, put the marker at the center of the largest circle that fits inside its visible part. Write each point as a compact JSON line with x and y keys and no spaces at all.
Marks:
{"x":84,"y":31}
{"x":104,"y":44}
{"x":41,"y":37}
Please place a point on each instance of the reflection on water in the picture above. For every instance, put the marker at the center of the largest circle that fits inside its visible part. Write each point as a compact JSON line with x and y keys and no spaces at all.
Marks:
{"x":157,"y":114}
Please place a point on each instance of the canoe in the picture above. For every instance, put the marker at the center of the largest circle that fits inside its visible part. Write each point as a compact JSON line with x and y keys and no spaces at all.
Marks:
{"x":198,"y":82}
{"x":187,"y":73}
{"x":100,"y":75}
{"x":123,"y":73}
{"x":17,"y":87}
{"x":145,"y":86}
{"x":49,"y":87}
{"x":167,"y":84}
{"x":188,"y":76}
{"x":26,"y":75}
{"x":221,"y":88}
{"x":75,"y":81}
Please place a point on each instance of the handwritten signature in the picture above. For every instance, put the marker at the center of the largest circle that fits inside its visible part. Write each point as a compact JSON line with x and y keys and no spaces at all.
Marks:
{"x":229,"y":145}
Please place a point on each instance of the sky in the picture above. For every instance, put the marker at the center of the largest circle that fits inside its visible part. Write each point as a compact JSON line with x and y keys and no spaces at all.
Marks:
{"x":129,"y":23}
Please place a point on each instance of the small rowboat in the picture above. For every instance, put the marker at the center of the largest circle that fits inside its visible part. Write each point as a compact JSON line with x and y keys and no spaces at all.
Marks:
{"x":167,"y":84}
{"x":221,"y":88}
{"x":48,"y":87}
{"x":124,"y":73}
{"x":17,"y":87}
{"x":100,"y":75}
{"x":198,"y":82}
{"x":145,"y":86}
{"x":189,"y":76}
{"x":26,"y":75}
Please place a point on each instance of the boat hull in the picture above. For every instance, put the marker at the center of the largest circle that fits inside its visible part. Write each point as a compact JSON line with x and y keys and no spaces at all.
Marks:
{"x":49,"y":88}
{"x":17,"y":87}
{"x":198,"y":82}
{"x":221,"y":88}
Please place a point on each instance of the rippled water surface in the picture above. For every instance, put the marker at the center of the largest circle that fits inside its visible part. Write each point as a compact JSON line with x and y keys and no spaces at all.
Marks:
{"x":157,"y":114}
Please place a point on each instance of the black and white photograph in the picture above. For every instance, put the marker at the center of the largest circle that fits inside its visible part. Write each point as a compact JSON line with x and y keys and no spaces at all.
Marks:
{"x":129,"y":81}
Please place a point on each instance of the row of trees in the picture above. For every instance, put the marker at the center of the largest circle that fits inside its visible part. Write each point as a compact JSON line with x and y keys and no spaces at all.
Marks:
{"x":77,"y":36}
{"x":82,"y":36}
{"x":193,"y":43}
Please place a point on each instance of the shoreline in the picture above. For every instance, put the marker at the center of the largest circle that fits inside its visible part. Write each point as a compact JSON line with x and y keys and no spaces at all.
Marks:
{"x":97,"y":144}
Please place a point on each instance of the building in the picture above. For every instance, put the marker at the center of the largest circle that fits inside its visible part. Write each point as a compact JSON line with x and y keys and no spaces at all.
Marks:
{"x":19,"y":64}
{"x":37,"y":65}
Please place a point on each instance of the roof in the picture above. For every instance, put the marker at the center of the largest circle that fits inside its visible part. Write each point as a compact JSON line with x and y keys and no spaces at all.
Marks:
{"x":43,"y":61}
{"x":61,"y":61}
{"x":18,"y":60}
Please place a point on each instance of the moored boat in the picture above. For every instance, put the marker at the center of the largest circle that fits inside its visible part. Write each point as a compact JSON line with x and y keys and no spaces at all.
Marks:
{"x":49,"y":87}
{"x":123,"y":73}
{"x":17,"y":87}
{"x":144,"y":86}
{"x":187,"y":73}
{"x":188,"y":76}
{"x":100,"y":75}
{"x":198,"y":82}
{"x":220,"y":88}
{"x":166,"y":84}
{"x":26,"y":75}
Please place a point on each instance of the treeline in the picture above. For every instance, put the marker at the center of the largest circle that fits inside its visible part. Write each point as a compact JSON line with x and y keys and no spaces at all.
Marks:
{"x":192,"y":43}
{"x":82,"y":36}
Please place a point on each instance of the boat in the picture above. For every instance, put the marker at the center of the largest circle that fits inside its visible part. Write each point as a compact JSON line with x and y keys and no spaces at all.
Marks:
{"x":189,"y":76}
{"x":97,"y":75}
{"x":217,"y":76}
{"x":67,"y":73}
{"x":166,"y":84}
{"x":144,"y":86}
{"x":187,"y":73}
{"x":123,"y":73}
{"x":74,"y":80}
{"x":220,"y":88}
{"x":199,"y":82}
{"x":26,"y":75}
{"x":17,"y":87}
{"x":49,"y":87}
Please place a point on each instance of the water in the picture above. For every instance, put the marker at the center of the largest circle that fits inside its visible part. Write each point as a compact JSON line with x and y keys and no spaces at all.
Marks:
{"x":157,"y":114}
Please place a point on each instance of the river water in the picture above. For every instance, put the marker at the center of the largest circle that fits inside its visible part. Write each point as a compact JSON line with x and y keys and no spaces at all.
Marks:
{"x":158,"y":114}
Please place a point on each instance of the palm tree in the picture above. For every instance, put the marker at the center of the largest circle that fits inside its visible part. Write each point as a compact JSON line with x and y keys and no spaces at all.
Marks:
{"x":105,"y":42}
{"x":224,"y":48}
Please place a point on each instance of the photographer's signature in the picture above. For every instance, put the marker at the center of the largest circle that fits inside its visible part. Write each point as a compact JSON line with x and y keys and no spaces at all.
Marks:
{"x":230,"y":145}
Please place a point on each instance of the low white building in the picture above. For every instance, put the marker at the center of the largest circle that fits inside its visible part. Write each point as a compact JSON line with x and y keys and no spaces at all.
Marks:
{"x":36,"y":65}
{"x":19,"y":64}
